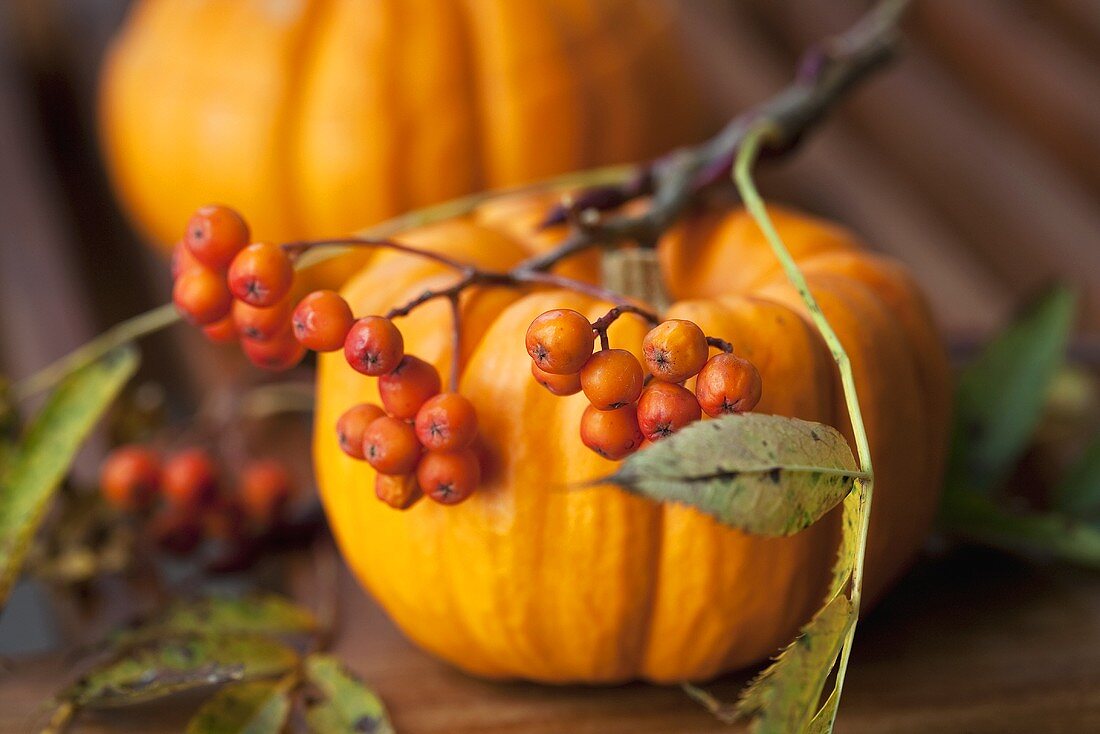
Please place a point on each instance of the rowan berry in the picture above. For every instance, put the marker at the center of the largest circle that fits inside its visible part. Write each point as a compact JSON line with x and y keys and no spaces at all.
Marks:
{"x":728,"y":384}
{"x":665,"y":408}
{"x":374,"y":346}
{"x":201,"y":296}
{"x":130,"y":477}
{"x":390,"y":446}
{"x":276,"y":354}
{"x":265,"y":489}
{"x":613,"y":434}
{"x":189,"y":479}
{"x":675,"y":350}
{"x":261,"y":274}
{"x":176,"y":532}
{"x":449,"y":477}
{"x":408,"y":387}
{"x":261,"y":324}
{"x":399,"y":492}
{"x":322,"y":321}
{"x":215,"y":235}
{"x":224,"y":519}
{"x":446,"y":422}
{"x":611,"y":378}
{"x":221,"y":332}
{"x":560,"y":341}
{"x":557,"y":384}
{"x":351,"y":426}
{"x":182,"y":259}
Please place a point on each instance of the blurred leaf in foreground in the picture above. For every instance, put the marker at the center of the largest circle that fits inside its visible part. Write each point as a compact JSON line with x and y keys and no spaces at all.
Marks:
{"x":170,"y":666}
{"x":256,"y":614}
{"x":1001,"y":394}
{"x":1079,"y":493}
{"x":258,"y":707}
{"x":42,"y":459}
{"x":342,"y":703}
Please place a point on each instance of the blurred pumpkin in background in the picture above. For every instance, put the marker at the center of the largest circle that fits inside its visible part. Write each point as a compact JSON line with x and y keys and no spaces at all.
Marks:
{"x":318,"y":116}
{"x":529,"y":578}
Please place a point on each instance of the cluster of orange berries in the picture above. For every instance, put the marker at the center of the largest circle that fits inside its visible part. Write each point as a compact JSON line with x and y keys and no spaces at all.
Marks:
{"x":237,"y":290}
{"x":419,"y":440}
{"x":135,"y":479}
{"x":627,"y":408}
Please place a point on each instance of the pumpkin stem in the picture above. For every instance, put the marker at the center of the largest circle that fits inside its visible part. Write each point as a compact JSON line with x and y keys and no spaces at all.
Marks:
{"x":635,"y":272}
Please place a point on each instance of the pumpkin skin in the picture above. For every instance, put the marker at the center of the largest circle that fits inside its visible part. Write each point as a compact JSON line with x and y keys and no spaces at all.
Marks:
{"x":316,"y":116}
{"x":530,"y":579}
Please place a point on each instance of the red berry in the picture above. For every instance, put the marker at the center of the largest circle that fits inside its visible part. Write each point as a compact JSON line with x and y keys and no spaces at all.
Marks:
{"x":182,"y":259}
{"x":728,"y":384}
{"x":557,"y":384}
{"x":189,"y":479}
{"x":675,"y":350}
{"x":612,"y":434}
{"x":374,"y":346}
{"x":447,"y":422}
{"x":215,"y":234}
{"x":612,"y":378}
{"x":201,"y":296}
{"x":351,"y":426}
{"x":221,"y":332}
{"x":449,"y":477}
{"x":261,"y":274}
{"x":224,"y":519}
{"x":408,"y":387}
{"x":322,"y":321}
{"x":665,"y":408}
{"x":390,"y":446}
{"x":176,"y":532}
{"x":265,"y":490}
{"x":560,"y":341}
{"x":276,"y":354}
{"x":399,"y":492}
{"x":129,"y":477}
{"x":261,"y":324}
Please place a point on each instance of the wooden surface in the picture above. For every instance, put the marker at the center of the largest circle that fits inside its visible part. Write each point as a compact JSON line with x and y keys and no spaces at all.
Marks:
{"x":970,"y":642}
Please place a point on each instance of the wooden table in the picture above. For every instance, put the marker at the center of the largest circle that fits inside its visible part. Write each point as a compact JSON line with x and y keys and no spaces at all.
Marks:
{"x":969,"y":642}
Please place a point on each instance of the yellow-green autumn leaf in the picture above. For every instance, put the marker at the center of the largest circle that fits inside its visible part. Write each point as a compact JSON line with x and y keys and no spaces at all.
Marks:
{"x":257,"y":614}
{"x":169,"y":666}
{"x":36,"y":468}
{"x":764,"y":474}
{"x":258,"y":707}
{"x":784,"y":697}
{"x":342,"y":703}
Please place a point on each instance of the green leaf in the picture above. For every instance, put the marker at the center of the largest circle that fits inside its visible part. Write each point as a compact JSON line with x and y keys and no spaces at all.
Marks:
{"x":1079,"y":492}
{"x":259,"y":614}
{"x":170,"y":666}
{"x":342,"y":703}
{"x":1001,"y":394}
{"x":764,"y":474}
{"x":784,"y":698}
{"x":47,"y":450}
{"x":1052,"y":534}
{"x":822,"y":722}
{"x":259,"y":707}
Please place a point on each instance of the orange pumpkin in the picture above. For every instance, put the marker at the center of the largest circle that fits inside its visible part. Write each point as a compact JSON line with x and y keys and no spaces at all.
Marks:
{"x":315,"y":116}
{"x":529,"y":579}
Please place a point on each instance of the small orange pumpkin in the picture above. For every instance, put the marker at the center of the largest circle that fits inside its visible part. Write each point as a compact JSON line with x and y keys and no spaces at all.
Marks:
{"x":528,"y":579}
{"x":315,"y":116}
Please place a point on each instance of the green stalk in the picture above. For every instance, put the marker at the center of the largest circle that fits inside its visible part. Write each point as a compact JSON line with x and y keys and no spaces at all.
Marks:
{"x":742,"y":175}
{"x":121,"y":333}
